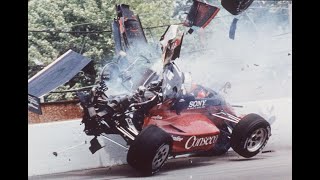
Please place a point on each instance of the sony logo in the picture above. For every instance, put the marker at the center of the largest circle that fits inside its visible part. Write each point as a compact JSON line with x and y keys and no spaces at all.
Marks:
{"x":197,"y":104}
{"x":193,"y":141}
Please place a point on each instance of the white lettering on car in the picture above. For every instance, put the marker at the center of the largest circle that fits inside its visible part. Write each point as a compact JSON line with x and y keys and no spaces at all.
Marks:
{"x":197,"y":104}
{"x":193,"y":141}
{"x":177,"y":138}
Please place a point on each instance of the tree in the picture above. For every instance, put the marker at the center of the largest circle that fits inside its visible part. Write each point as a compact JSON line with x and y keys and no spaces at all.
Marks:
{"x":78,"y":16}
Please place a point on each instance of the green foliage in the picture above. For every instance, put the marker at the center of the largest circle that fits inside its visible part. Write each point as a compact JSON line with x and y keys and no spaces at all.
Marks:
{"x":83,"y":15}
{"x":64,"y":15}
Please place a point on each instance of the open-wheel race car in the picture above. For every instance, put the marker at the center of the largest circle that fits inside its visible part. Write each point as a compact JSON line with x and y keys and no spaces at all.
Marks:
{"x":168,"y":115}
{"x":157,"y":123}
{"x":156,"y":127}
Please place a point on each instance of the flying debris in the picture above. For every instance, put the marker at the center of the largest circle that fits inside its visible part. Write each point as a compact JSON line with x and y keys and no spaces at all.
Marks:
{"x":200,"y":15}
{"x":127,"y":30}
{"x":233,"y":28}
{"x":132,"y":50}
{"x":225,"y":87}
{"x":54,"y":75}
{"x":236,"y":7}
{"x":133,"y":53}
{"x":171,"y":42}
{"x":57,"y":73}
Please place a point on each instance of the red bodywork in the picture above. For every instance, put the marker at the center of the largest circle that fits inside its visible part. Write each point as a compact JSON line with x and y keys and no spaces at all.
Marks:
{"x":191,"y":129}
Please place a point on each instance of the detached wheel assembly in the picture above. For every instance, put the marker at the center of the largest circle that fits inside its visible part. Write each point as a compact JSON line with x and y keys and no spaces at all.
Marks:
{"x":235,"y":7}
{"x":150,"y":150}
{"x":250,"y":135}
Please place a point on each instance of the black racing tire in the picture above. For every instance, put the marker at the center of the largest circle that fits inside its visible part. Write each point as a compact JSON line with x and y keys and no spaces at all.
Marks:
{"x":235,"y":7}
{"x":250,"y":135}
{"x":150,"y":150}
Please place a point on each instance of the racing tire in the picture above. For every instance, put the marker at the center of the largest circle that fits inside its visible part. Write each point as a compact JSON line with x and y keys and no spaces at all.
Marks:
{"x":235,"y":7}
{"x":150,"y":150}
{"x":250,"y":135}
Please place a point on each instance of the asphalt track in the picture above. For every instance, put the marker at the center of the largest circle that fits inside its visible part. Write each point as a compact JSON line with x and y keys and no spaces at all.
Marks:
{"x":264,"y":166}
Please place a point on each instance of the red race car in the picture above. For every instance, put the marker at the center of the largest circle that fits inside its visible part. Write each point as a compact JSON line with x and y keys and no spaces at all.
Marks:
{"x":164,"y":119}
{"x":168,"y":115}
{"x":157,"y":124}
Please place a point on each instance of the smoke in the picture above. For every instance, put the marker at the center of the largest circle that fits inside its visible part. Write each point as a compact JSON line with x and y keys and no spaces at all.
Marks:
{"x":129,"y":69}
{"x":256,"y":65}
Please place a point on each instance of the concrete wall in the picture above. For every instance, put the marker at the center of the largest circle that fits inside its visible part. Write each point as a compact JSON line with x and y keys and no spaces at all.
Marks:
{"x":46,"y":138}
{"x":68,"y":140}
{"x":56,"y":111}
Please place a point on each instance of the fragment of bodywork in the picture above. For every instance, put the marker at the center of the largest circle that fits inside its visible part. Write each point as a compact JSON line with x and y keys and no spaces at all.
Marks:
{"x":235,"y":7}
{"x":132,"y":51}
{"x":116,"y":36}
{"x":130,"y":28}
{"x":94,"y":145}
{"x":171,"y":42}
{"x":57,"y":73}
{"x":233,"y":28}
{"x":172,"y":81}
{"x":200,"y":14}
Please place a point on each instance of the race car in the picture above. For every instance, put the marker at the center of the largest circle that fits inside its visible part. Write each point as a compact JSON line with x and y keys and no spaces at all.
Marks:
{"x":168,"y":115}
{"x":156,"y":127}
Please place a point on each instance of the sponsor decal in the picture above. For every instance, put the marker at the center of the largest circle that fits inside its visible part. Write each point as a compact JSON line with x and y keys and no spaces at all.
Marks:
{"x":34,"y":104}
{"x":176,"y":138}
{"x":156,"y":117}
{"x":193,"y":141}
{"x":197,"y":104}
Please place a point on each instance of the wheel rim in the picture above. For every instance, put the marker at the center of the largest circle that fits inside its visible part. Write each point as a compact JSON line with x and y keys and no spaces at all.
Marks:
{"x":256,"y":140}
{"x":161,"y":156}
